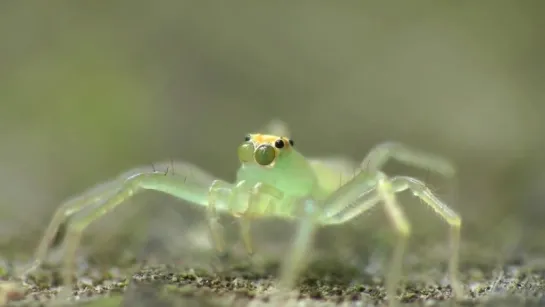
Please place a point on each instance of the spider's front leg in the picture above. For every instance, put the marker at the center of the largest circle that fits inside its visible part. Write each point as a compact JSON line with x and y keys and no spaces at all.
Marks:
{"x":386,"y":189}
{"x":309,"y":217}
{"x":361,"y":194}
{"x":262,"y":201}
{"x":371,"y":186}
{"x":61,"y":215}
{"x":420,"y":190}
{"x":215,"y":192}
{"x":379,"y":156}
{"x":244,"y":201}
{"x":181,"y":180}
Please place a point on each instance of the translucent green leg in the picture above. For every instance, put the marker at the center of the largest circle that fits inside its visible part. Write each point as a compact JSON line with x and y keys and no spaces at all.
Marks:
{"x":338,"y":208}
{"x":360,"y":195}
{"x":368,"y":192}
{"x":60,"y":216}
{"x":385,"y":189}
{"x":371,"y":191}
{"x":419,"y":189}
{"x":216,"y":229}
{"x":184,"y":181}
{"x":402,"y":226}
{"x":177,"y":186}
{"x":379,"y":156}
{"x":244,"y":222}
{"x":296,"y":259}
{"x":245,"y":233}
{"x":341,"y":214}
{"x":255,"y":195}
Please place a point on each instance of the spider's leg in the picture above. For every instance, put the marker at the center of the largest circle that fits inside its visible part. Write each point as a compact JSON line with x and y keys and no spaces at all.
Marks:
{"x":295,"y":261}
{"x":191,"y":184}
{"x":245,"y":229}
{"x":195,"y":177}
{"x":402,"y":227}
{"x":65,"y":211}
{"x":345,"y":208}
{"x":358,"y":196}
{"x":380,"y":154}
{"x":337,"y":208}
{"x":234,"y":207}
{"x":419,"y":189}
{"x":260,"y":197}
{"x":216,"y":229}
{"x":339,"y":213}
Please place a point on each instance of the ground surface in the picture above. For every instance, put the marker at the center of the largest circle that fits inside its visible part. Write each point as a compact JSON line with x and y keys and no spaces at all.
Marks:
{"x":324,"y":284}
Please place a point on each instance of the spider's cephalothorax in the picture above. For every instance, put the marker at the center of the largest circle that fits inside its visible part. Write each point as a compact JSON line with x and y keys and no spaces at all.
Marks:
{"x":272,"y":160}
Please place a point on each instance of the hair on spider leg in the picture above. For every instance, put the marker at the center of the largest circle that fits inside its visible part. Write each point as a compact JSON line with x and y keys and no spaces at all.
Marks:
{"x":154,"y":169}
{"x":190,"y":173}
{"x":169,"y":168}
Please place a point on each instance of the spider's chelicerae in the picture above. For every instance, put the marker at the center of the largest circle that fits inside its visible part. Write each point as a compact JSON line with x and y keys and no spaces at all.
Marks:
{"x":274,"y":179}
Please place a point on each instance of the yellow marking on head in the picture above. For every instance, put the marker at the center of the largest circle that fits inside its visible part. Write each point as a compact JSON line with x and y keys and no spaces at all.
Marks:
{"x":269,"y":139}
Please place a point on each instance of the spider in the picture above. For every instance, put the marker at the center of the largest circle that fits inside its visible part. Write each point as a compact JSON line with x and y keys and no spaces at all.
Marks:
{"x":274,"y":179}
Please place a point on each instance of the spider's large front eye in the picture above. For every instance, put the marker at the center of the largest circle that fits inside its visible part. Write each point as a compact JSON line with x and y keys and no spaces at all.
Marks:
{"x":265,"y":155}
{"x":246,"y":152}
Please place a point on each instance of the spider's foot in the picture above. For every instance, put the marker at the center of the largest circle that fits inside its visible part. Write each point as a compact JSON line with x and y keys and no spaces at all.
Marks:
{"x":64,"y":294}
{"x":281,"y":294}
{"x":457,"y":289}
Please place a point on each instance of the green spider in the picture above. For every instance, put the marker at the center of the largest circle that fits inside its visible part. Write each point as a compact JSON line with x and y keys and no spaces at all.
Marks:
{"x":274,"y":179}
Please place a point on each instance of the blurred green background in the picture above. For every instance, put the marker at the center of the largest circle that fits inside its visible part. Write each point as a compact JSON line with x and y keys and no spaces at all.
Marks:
{"x":91,"y":89}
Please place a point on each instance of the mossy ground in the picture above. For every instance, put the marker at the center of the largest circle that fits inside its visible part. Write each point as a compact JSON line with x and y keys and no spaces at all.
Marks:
{"x":325,"y":283}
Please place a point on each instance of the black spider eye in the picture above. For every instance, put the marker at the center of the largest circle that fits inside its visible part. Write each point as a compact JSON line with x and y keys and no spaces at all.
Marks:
{"x":291,"y":142}
{"x":279,"y":143}
{"x":247,"y":138}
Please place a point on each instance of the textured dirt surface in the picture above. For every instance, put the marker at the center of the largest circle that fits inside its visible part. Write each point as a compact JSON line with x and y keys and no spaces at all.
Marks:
{"x":325,"y":283}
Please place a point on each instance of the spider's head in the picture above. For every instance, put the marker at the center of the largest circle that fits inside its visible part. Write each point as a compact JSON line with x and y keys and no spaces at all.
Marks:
{"x":264,"y":149}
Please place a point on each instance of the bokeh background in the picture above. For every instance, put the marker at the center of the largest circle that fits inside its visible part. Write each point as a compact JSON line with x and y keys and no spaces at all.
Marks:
{"x":91,"y":89}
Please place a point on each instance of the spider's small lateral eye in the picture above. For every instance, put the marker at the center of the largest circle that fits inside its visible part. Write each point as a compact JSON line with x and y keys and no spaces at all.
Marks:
{"x":279,"y":143}
{"x":291,"y":142}
{"x":247,"y":138}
